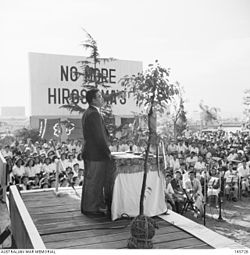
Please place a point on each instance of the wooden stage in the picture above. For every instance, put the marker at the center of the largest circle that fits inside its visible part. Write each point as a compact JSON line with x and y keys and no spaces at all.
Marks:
{"x":42,"y":220}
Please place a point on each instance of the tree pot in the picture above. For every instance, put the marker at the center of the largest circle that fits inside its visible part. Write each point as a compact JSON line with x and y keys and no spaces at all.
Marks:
{"x":142,"y":231}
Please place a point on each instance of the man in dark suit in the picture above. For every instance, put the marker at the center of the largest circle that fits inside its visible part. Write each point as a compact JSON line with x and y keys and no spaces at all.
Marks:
{"x":96,"y":155}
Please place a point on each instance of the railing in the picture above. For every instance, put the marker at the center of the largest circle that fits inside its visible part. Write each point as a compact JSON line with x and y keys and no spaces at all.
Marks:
{"x":24,"y":231}
{"x":3,"y":176}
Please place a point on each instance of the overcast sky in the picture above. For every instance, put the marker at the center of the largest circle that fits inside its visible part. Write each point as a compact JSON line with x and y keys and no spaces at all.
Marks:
{"x":205,"y":43}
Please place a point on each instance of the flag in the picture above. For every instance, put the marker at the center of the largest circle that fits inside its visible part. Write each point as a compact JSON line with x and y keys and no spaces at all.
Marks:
{"x":50,"y":129}
{"x":74,"y":129}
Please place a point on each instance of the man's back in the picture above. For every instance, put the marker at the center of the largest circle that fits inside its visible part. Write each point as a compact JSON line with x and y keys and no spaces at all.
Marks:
{"x":95,"y":136}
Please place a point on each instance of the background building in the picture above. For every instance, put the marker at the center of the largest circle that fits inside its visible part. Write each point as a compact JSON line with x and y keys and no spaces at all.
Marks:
{"x":13,"y":112}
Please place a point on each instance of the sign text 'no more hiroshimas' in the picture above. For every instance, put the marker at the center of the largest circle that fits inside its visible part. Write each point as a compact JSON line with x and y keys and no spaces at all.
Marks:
{"x":53,"y":79}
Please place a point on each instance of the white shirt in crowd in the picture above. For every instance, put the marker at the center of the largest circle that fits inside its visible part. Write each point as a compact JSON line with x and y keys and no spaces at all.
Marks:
{"x":38,"y":168}
{"x":70,"y":163}
{"x":172,"y":147}
{"x":81,"y":164}
{"x":243,"y":172}
{"x":181,"y":148}
{"x":48,"y":168}
{"x":232,"y":156}
{"x":30,"y":171}
{"x":19,"y":171}
{"x":200,"y":165}
{"x":193,"y":149}
{"x":229,"y":173}
{"x":169,"y":189}
{"x":174,"y":163}
{"x":185,"y":178}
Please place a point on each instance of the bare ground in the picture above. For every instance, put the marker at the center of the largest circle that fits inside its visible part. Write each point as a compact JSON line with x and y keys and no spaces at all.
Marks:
{"x":236,"y":220}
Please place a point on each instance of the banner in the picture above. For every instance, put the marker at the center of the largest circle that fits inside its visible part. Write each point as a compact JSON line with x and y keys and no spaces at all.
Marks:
{"x":54,"y":78}
{"x":50,"y":129}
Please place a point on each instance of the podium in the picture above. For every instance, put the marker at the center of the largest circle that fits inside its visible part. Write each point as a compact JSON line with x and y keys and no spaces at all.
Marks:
{"x":128,"y":170}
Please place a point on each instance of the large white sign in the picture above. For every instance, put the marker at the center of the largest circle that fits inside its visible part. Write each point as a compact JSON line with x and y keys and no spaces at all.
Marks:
{"x":53,"y":80}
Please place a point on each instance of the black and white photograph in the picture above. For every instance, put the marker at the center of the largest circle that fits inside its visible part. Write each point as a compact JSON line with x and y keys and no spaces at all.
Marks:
{"x":124,"y":125}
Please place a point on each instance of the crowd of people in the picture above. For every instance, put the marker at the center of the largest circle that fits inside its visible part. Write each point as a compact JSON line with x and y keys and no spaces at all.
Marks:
{"x":203,"y":166}
{"x":198,"y":167}
{"x":33,"y":165}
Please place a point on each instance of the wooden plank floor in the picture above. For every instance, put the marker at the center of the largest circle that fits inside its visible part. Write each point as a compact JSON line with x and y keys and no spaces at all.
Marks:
{"x":62,"y":226}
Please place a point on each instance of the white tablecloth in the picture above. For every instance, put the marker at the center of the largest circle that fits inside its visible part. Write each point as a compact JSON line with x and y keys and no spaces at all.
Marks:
{"x":127,"y":191}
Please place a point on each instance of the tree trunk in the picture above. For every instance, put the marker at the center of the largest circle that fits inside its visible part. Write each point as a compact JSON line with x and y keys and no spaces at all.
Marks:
{"x":146,"y":163}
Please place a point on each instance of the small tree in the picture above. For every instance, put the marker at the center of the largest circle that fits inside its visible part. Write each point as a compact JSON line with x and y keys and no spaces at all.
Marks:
{"x":177,"y":112}
{"x":246,"y":103}
{"x":25,"y":134}
{"x":92,"y":78}
{"x":208,"y":114}
{"x":153,"y":90}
